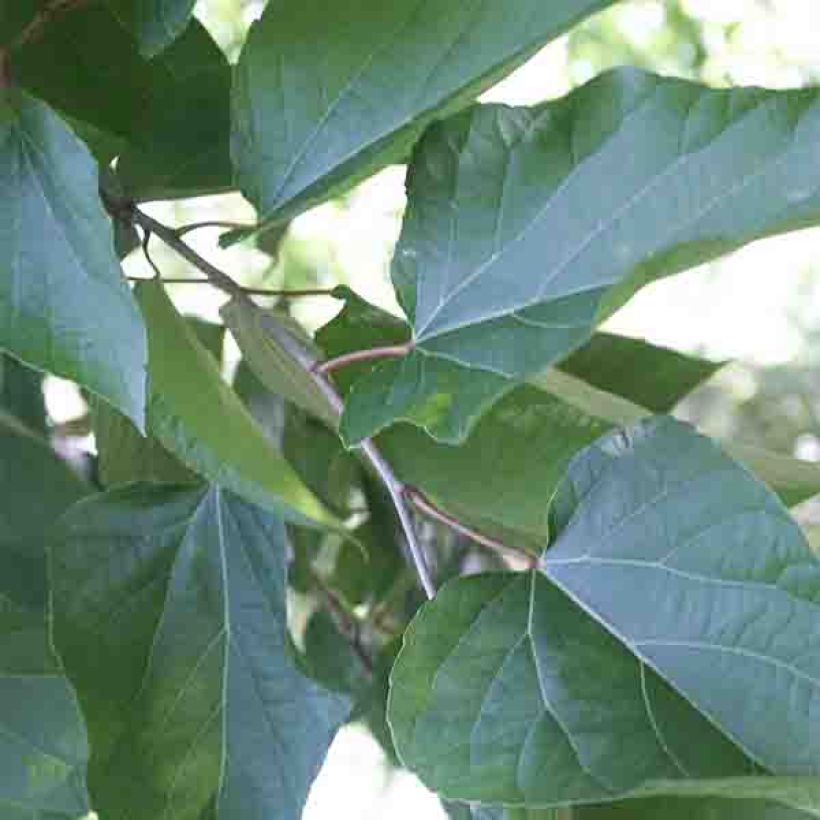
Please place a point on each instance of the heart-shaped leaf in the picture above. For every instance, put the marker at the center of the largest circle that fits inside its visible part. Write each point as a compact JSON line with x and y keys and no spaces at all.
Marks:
{"x":700,"y":571}
{"x":685,"y":647}
{"x":505,"y":692}
{"x":169,"y":614}
{"x":525,"y":225}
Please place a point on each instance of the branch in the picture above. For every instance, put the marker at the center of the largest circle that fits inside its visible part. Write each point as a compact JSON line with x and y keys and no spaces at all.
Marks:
{"x":284,"y":293}
{"x":212,"y":223}
{"x":306,"y":360}
{"x":430,"y":509}
{"x":387,"y":352}
{"x":169,"y":236}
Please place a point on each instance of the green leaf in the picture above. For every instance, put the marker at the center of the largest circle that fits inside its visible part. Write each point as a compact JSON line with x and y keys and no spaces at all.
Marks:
{"x":198,"y":418}
{"x":329,"y":658}
{"x":671,"y":808}
{"x":493,"y":659}
{"x":446,"y":399}
{"x":273,"y":366}
{"x":43,"y":748}
{"x":511,"y":244}
{"x":526,"y":440}
{"x":64,"y":305}
{"x":439,"y":396}
{"x":505,"y":692}
{"x":125,"y":456}
{"x":317,"y":455}
{"x":656,"y":378}
{"x":792,"y":479}
{"x":14,"y":17}
{"x":167,"y":119}
{"x":801,"y":793}
{"x":267,"y":409}
{"x":169,"y":613}
{"x":357,"y":326}
{"x":366,"y":570}
{"x":463,"y":811}
{"x":371,"y":705}
{"x":700,"y":571}
{"x":325,"y":95}
{"x":502,"y":477}
{"x":209,"y":334}
{"x":21,"y":394}
{"x":434,"y":394}
{"x":156,"y":23}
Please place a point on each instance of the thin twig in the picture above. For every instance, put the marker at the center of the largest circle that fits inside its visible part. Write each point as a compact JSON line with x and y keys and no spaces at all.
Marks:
{"x":305,"y":359}
{"x":426,"y":506}
{"x":170,"y":238}
{"x":386,"y":352}
{"x":212,"y":223}
{"x":146,"y":238}
{"x":283,"y":293}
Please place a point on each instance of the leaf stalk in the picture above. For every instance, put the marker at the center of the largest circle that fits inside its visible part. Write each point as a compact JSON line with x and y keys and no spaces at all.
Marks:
{"x":371,"y":354}
{"x":424,"y":505}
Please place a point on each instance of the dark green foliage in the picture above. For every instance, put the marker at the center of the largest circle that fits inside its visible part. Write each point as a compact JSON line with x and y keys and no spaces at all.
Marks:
{"x":639,"y":634}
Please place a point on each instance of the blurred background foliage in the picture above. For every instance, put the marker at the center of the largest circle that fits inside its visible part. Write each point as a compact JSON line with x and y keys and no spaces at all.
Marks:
{"x":758,"y":309}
